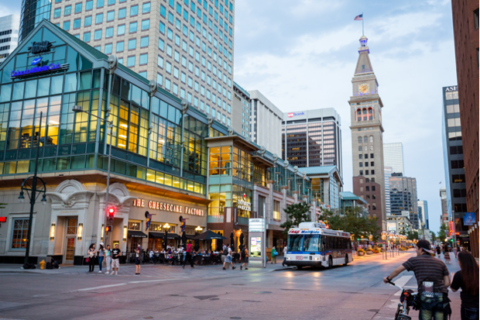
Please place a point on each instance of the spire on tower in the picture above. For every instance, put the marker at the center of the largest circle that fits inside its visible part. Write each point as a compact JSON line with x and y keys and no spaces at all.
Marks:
{"x":363,"y":63}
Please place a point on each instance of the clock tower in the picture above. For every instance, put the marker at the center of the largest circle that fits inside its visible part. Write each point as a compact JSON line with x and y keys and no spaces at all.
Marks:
{"x":367,"y":136}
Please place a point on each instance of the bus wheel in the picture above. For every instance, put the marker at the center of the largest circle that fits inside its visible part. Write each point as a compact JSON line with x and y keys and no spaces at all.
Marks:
{"x":299,"y":267}
{"x":346,"y":260}
{"x":330,"y":262}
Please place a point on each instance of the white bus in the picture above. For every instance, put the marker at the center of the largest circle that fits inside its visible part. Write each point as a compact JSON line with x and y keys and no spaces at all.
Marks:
{"x":312,"y":244}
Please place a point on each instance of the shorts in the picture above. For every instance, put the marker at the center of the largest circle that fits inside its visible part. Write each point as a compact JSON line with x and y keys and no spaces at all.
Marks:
{"x":137,"y":261}
{"x":245,"y":260}
{"x":115,"y":263}
{"x":228,"y":259}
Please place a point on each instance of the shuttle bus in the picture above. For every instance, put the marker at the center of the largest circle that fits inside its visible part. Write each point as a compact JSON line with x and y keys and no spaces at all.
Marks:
{"x":312,"y":244}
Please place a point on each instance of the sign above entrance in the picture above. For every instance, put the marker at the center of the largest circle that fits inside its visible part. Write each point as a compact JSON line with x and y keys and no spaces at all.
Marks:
{"x":35,"y":71}
{"x":155,"y":205}
{"x":244,"y":205}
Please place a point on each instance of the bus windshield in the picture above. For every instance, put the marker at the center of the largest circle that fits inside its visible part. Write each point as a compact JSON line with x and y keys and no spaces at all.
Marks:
{"x":312,"y":243}
{"x":295,"y":242}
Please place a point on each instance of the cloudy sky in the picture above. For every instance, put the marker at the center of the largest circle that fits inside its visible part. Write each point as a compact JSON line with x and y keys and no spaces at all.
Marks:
{"x":302,"y":54}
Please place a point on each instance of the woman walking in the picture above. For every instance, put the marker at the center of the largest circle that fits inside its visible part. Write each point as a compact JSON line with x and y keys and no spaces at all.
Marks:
{"x":467,"y":279}
{"x":138,"y":253}
{"x":274,"y":255}
{"x":108,"y":258}
{"x":446,"y":254}
{"x":101,"y":256}
{"x":91,"y":257}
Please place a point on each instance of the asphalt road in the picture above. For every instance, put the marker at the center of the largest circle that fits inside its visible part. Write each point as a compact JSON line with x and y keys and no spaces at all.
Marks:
{"x":352,"y":292}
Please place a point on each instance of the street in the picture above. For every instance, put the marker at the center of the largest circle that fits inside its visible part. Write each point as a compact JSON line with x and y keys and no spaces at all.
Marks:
{"x":208,"y":292}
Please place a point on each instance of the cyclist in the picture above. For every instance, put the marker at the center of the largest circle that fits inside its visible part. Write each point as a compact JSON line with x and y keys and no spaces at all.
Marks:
{"x":432,"y":279}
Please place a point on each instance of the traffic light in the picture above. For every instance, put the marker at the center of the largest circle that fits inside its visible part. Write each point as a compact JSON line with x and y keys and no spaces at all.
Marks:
{"x":108,"y":229}
{"x":111,"y":213}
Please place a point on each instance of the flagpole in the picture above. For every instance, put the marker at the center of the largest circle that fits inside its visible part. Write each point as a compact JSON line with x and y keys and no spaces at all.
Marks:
{"x":363,"y":33}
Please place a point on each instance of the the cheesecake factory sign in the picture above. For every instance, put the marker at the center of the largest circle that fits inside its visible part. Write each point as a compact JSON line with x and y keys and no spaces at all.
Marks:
{"x":244,"y":205}
{"x":155,"y":205}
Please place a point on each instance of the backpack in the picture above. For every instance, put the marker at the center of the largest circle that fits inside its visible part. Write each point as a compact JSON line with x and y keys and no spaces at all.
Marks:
{"x":49,"y":265}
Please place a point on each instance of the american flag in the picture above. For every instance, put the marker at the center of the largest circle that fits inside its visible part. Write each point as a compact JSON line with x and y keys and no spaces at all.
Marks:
{"x":359,"y":17}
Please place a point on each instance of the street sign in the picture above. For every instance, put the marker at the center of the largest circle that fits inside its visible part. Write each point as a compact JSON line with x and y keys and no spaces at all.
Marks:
{"x":256,"y":225}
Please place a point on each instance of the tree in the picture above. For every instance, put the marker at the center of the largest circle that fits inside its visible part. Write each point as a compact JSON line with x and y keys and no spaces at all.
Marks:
{"x":443,"y":233}
{"x":433,"y":236}
{"x":296,"y":214}
{"x":412,"y":235}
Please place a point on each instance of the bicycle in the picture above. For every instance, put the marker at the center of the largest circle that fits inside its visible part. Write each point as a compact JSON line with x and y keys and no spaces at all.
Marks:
{"x":407,"y":300}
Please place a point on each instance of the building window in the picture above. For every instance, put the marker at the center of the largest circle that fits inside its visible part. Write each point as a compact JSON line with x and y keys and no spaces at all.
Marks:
{"x":120,"y":46}
{"x":66,"y":25}
{"x":145,"y":24}
{"x":276,"y":210}
{"x":372,"y":172}
{"x":367,"y":188}
{"x":19,"y":234}
{"x":360,"y":164}
{"x":120,"y":30}
{"x":143,"y":58}
{"x":67,"y":10}
{"x":361,"y":172}
{"x":146,"y":7}
{"x":99,"y":18}
{"x":144,"y":42}
{"x":131,"y":61}
{"x":86,"y":36}
{"x":78,"y":7}
{"x":57,"y":13}
{"x":360,"y":156}
{"x":97,"y":35}
{"x":133,"y":27}
{"x":133,"y":10}
{"x":373,"y":188}
{"x":371,"y":155}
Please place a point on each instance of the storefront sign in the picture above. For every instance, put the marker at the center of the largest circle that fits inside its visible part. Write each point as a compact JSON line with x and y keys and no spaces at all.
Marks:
{"x":156,"y":205}
{"x":53,"y":67}
{"x":451,"y":228}
{"x":469,"y":218}
{"x":243,"y":205}
{"x":294,"y":114}
{"x":40,"y":47}
{"x":3,"y":219}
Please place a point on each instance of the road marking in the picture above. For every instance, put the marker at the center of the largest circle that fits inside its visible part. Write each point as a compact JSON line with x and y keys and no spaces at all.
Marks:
{"x":401,"y":282}
{"x":149,"y":281}
{"x":101,"y":287}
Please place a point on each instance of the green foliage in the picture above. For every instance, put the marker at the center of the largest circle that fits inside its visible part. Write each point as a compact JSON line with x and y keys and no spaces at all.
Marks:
{"x":352,"y":221}
{"x":296,"y":213}
{"x":412,"y":235}
{"x":443,"y":233}
{"x":434,"y":237}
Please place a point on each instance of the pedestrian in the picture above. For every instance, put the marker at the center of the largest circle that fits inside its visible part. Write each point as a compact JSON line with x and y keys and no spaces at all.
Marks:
{"x":274,"y":255}
{"x":108,"y":258}
{"x":101,"y":256}
{"x":244,"y":256}
{"x":446,"y":254}
{"x":91,"y":257}
{"x":438,"y":251}
{"x":150,"y":255}
{"x":455,"y":251}
{"x":467,"y":279}
{"x":228,"y":258}
{"x":224,"y":253}
{"x":138,"y":252}
{"x":189,"y":255}
{"x":284,"y":255}
{"x":115,"y":259}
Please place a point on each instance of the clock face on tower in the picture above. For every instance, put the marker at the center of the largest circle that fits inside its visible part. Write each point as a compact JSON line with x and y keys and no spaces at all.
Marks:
{"x":363,"y":88}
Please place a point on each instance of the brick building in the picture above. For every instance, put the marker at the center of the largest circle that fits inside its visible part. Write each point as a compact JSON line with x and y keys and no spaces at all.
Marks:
{"x":465,"y":25}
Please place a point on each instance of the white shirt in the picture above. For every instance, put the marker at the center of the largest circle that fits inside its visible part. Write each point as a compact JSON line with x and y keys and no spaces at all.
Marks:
{"x":284,"y":250}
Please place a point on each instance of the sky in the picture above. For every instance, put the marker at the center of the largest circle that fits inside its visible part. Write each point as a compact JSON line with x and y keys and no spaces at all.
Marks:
{"x":301,"y":55}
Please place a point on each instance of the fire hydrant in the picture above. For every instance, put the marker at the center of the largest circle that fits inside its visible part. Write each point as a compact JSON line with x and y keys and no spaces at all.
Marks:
{"x":42,"y":264}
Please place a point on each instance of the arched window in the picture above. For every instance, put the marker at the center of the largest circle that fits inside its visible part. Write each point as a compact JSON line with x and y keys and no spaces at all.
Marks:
{"x":370,"y":111}
{"x":365,"y":139}
{"x":359,"y":111}
{"x":359,"y":139}
{"x":364,"y":111}
{"x":371,"y":139}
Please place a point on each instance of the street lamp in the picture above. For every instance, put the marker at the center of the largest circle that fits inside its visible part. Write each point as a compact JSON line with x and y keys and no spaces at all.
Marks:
{"x":77,"y":109}
{"x":30,"y":186}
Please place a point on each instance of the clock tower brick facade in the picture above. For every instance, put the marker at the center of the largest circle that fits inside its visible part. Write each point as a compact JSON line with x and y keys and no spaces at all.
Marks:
{"x":367,"y":136}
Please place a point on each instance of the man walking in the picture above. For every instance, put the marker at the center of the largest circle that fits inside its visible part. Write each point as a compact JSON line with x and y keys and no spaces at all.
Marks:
{"x":115,"y":259}
{"x":189,"y":255}
{"x":432,"y":279}
{"x":244,"y":257}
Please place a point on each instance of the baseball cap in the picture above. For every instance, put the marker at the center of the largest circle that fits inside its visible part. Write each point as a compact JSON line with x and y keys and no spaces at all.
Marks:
{"x":425,"y":245}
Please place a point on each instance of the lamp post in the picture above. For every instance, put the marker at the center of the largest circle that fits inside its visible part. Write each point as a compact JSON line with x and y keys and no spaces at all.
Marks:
{"x":32,"y":189}
{"x":78,"y":109}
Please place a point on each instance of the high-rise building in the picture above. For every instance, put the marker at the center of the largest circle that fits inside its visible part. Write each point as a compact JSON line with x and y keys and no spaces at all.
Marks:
{"x":265,"y":123}
{"x":312,"y":138}
{"x":241,"y":110}
{"x":443,"y":199}
{"x":422,"y":206}
{"x":32,"y":13}
{"x":393,"y":156}
{"x":186,"y":46}
{"x":403,"y":197}
{"x":465,"y":27}
{"x":367,"y":136}
{"x":454,"y":161}
{"x":388,"y":174}
{"x":8,"y":35}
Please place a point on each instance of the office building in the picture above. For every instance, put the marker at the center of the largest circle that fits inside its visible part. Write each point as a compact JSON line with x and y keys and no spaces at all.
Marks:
{"x":151,"y":169}
{"x":454,"y":161}
{"x":265,"y":122}
{"x":241,"y":110}
{"x":186,"y":46}
{"x":326,"y":184}
{"x":465,"y":29}
{"x":367,"y":136}
{"x":443,"y":200}
{"x":403,"y":197}
{"x":399,"y":224}
{"x":312,"y":138}
{"x":393,"y":156}
{"x":388,"y":173}
{"x":8,"y":35}
{"x":422,"y":206}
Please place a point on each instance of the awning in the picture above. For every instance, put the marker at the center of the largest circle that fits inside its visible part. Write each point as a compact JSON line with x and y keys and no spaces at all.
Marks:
{"x":209,"y":235}
{"x":136,"y":234}
{"x":161,"y":235}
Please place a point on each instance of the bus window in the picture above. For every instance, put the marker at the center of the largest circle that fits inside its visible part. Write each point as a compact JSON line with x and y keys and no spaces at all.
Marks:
{"x":312,"y":243}
{"x":295,"y":242}
{"x":325,"y":243}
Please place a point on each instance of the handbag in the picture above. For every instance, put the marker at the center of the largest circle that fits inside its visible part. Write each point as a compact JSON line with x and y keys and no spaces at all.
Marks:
{"x":87,"y":260}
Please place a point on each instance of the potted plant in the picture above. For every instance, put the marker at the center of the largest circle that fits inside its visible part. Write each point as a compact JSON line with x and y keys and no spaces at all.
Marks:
{"x":360,"y":252}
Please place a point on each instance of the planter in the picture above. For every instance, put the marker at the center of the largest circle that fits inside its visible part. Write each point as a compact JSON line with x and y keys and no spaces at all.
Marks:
{"x":369,"y":252}
{"x":360,"y":253}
